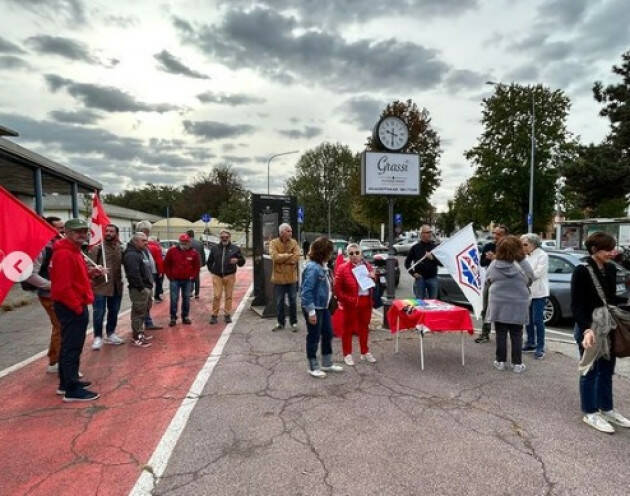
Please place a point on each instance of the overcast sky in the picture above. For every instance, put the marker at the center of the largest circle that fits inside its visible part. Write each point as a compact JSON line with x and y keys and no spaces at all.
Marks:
{"x":147,"y":91}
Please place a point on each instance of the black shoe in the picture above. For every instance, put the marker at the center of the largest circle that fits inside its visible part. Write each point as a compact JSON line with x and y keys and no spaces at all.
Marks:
{"x":158,"y":299}
{"x":153,"y":328}
{"x":172,"y":323}
{"x":213,"y":319}
{"x":196,"y":297}
{"x":484,"y":338}
{"x":187,"y":321}
{"x":529,"y":349}
{"x":84,"y":384}
{"x":80,"y":395}
{"x":228,"y":319}
{"x":278,"y":327}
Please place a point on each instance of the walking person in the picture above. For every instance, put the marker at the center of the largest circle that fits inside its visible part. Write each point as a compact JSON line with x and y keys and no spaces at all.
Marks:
{"x":144,"y":227}
{"x":222,"y":262}
{"x":596,"y":392}
{"x":424,"y":272}
{"x":305,"y":246}
{"x":71,"y":292}
{"x":316,"y":294}
{"x":487,"y":256}
{"x":155,"y":249}
{"x":107,"y":293}
{"x":356,"y":303}
{"x":40,"y":282}
{"x":539,"y":262}
{"x":509,"y":276}
{"x":285,"y":255}
{"x":198,"y":247}
{"x":140,"y":282}
{"x":181,"y":264}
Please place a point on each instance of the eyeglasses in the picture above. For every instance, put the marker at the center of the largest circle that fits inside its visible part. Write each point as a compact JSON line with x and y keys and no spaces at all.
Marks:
{"x":426,"y":232}
{"x":354,"y":253}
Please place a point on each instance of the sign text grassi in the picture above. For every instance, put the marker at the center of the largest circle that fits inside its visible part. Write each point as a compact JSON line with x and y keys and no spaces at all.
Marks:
{"x":392,"y":174}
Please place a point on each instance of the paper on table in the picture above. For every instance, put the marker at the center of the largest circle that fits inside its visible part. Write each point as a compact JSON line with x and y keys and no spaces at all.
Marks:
{"x":363,"y":277}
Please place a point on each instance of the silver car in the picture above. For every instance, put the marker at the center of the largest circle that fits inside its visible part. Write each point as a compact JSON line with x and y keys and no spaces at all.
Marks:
{"x":561,"y":267}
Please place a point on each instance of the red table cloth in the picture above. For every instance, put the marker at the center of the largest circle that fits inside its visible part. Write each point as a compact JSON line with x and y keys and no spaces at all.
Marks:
{"x":436,"y":315}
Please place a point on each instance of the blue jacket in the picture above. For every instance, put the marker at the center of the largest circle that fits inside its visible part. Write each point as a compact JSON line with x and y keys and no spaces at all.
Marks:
{"x":315,"y":292}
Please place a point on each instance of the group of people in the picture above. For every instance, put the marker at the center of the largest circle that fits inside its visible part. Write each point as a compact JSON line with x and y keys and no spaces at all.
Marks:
{"x":69,"y":279}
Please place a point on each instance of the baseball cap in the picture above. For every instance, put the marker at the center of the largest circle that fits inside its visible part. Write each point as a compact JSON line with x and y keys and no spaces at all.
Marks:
{"x":184,"y":238}
{"x":75,"y":225}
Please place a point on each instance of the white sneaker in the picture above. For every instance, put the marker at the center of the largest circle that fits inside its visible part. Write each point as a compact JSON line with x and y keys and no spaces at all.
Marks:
{"x":97,"y":344}
{"x":349,"y":361}
{"x":332,"y":368}
{"x":320,"y":374}
{"x":499,"y":365}
{"x":614,"y":417}
{"x":113,"y":339}
{"x":52,"y":369}
{"x":368,"y":357}
{"x":519,"y":368}
{"x":596,"y":421}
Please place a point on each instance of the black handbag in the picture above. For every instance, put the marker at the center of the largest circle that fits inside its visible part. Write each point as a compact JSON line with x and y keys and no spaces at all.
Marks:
{"x":620,"y":335}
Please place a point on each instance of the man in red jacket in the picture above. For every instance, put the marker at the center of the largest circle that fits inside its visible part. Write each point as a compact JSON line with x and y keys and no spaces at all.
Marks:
{"x":71,"y":292}
{"x":181,"y":265}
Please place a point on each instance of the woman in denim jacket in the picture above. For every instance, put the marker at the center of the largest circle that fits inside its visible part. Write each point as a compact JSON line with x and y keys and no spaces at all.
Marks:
{"x":315,"y":296}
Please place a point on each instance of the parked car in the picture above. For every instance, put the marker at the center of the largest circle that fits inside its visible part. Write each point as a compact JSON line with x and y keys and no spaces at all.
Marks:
{"x":370,"y":243}
{"x":377,"y":257}
{"x":403,"y":246}
{"x":561,"y":267}
{"x":548,"y":244}
{"x":339,"y":243}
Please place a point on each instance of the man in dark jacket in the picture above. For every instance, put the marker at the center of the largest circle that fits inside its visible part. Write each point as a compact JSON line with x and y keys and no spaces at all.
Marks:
{"x":222,"y":262}
{"x":198,"y":247}
{"x":140,"y":282}
{"x":422,"y":265}
{"x":181,"y":265}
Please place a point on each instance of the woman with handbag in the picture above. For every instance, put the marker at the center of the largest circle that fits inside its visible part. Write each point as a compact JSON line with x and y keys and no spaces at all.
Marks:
{"x":597,"y":276}
{"x":509,"y":276}
{"x":316,"y":296}
{"x":356,"y":304}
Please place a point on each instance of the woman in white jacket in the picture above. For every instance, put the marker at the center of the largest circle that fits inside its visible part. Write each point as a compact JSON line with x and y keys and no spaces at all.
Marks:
{"x":539,"y":261}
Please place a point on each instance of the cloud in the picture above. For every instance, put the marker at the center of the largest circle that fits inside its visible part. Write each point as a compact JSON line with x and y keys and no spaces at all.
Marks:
{"x":124,"y":22}
{"x":171,"y":64}
{"x":464,"y":79}
{"x":12,"y":62}
{"x":105,"y":98}
{"x":64,"y":47}
{"x":308,"y":132}
{"x":565,"y":12}
{"x":213,"y":130}
{"x":522,"y":74}
{"x":233,"y":99}
{"x":268,"y":42}
{"x":72,"y":11}
{"x":236,"y":160}
{"x":363,"y":111}
{"x":7,"y":47}
{"x":75,"y":117}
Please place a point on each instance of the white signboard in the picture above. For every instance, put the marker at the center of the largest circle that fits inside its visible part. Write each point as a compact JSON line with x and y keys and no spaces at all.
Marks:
{"x":393,"y":174}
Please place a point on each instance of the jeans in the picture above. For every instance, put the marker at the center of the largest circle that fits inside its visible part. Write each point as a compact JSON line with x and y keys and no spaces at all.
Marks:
{"x":195,"y":285}
{"x":536,"y":326}
{"x":596,"y":386}
{"x":320,"y":331}
{"x":290,"y":290}
{"x":516,"y":340}
{"x":73,"y":329}
{"x":159,"y":286}
{"x":426,"y":288}
{"x":112,"y":303}
{"x":175,"y":286}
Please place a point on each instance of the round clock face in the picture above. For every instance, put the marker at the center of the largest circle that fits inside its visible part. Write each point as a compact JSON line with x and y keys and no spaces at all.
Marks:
{"x":393,"y":133}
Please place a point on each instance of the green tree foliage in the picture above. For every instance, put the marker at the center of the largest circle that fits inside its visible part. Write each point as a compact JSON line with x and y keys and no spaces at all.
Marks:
{"x":237,"y":212}
{"x":370,"y":211}
{"x":322,"y":179}
{"x":445,"y":221}
{"x":500,"y":187}
{"x":151,"y":198}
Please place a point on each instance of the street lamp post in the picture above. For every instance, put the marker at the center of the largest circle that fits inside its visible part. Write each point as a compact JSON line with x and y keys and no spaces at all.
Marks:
{"x":269,"y":161}
{"x":530,"y":213}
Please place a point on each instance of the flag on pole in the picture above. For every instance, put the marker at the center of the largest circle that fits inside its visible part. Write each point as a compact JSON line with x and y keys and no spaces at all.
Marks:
{"x":98,"y":222}
{"x":23,"y":235}
{"x":460,"y":256}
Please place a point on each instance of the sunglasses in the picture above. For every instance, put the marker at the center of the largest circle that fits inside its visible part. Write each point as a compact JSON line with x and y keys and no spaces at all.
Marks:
{"x":354,"y":253}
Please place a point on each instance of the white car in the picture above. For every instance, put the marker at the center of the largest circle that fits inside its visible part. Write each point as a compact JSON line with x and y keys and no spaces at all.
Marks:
{"x":549,"y":244}
{"x":370,"y":243}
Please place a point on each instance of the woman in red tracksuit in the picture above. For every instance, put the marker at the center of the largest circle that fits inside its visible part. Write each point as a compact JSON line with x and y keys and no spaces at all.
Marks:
{"x":356,"y":304}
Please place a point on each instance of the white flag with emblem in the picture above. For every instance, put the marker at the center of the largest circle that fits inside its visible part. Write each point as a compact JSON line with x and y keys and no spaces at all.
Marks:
{"x":460,"y":256}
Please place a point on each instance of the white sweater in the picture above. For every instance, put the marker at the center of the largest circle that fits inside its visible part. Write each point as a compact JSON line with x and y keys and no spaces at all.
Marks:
{"x":539,"y":262}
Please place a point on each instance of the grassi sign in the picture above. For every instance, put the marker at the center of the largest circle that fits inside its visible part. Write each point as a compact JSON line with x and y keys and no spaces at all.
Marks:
{"x":390,"y":173}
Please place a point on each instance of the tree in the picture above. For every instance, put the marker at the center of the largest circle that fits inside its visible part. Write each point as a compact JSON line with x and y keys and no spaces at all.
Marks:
{"x":445,"y":222}
{"x":502,"y":154}
{"x":370,"y":211}
{"x":321,"y":183}
{"x":152,"y":199}
{"x":237,"y":213}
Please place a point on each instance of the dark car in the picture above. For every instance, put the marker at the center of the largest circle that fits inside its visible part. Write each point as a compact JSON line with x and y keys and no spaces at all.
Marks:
{"x":377,"y":257}
{"x":561,"y":267}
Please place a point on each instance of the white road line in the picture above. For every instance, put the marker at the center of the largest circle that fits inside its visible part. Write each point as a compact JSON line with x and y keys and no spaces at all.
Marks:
{"x":41,"y":354}
{"x":156,"y":465}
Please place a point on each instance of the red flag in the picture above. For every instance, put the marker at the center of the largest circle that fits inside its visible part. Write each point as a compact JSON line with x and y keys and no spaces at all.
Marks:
{"x":22,"y":236}
{"x":98,"y":222}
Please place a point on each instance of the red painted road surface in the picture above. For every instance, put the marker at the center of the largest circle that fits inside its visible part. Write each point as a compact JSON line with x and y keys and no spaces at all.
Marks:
{"x":48,"y":447}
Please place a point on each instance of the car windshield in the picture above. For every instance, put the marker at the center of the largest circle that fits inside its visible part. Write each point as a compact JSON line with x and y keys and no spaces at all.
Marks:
{"x":374,"y":251}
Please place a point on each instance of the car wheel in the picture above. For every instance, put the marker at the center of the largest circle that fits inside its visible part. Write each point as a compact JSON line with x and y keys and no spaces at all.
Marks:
{"x":551,"y":311}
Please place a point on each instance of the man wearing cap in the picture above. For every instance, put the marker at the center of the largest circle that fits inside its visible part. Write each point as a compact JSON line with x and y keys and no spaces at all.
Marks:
{"x":222,"y":261}
{"x":198,"y":247}
{"x":71,"y":292}
{"x":181,"y":265}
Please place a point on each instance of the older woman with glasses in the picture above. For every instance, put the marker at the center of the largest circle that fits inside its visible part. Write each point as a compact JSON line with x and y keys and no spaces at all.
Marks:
{"x":356,"y":303}
{"x":539,"y":262}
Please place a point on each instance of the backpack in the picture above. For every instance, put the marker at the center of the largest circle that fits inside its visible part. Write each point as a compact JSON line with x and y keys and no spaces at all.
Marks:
{"x":43,"y":270}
